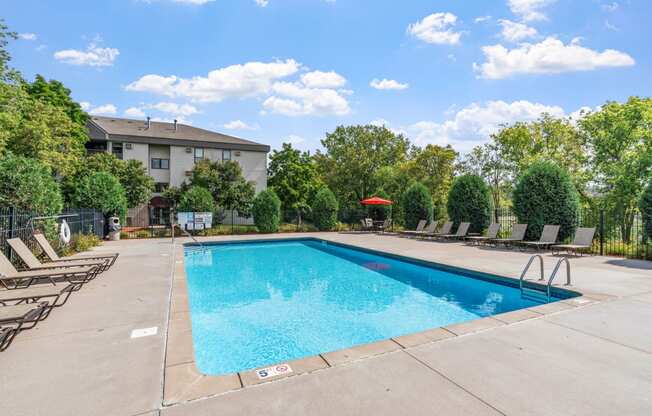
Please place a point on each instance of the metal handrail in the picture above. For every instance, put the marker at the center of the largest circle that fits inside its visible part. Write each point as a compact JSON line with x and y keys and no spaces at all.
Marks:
{"x":189,"y":235}
{"x":554,"y":274}
{"x":527,"y":267}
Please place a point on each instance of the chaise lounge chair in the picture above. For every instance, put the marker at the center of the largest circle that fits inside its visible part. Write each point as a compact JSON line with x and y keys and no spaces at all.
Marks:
{"x":445,"y":229}
{"x":59,"y":294}
{"x":462,"y":231}
{"x":33,"y":263}
{"x":430,"y":229}
{"x":366,"y":225}
{"x":548,"y":238}
{"x":10,"y":278}
{"x":517,"y":236}
{"x":15,"y":318}
{"x":53,"y":256}
{"x":492,"y":233}
{"x":386,"y":225}
{"x":420,"y":226}
{"x":583,"y":241}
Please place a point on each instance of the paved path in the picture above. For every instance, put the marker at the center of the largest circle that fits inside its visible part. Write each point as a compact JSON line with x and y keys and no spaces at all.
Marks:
{"x":591,"y":360}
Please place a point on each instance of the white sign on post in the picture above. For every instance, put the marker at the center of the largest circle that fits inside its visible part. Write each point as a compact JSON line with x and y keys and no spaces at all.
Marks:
{"x":195,"y":220}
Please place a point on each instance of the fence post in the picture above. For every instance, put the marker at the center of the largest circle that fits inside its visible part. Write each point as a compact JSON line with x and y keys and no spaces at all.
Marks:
{"x":602,"y":231}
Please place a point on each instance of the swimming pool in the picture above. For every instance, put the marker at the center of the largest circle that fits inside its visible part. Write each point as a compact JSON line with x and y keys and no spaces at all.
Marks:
{"x":259,"y":303}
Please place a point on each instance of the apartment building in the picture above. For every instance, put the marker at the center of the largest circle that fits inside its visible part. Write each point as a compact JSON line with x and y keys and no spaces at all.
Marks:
{"x":169,"y":151}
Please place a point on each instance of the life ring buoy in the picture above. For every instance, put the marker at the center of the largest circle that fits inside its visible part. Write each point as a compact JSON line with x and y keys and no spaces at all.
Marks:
{"x":64,"y":232}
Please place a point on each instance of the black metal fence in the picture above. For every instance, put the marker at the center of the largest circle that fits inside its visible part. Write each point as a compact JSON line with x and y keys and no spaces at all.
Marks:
{"x":613,"y":237}
{"x":20,"y":223}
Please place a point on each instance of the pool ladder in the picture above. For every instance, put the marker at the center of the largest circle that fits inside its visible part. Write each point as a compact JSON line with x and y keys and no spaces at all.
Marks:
{"x":548,"y":290}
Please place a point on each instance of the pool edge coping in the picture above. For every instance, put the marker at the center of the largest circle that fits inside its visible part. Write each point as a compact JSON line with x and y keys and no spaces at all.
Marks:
{"x":183,"y":382}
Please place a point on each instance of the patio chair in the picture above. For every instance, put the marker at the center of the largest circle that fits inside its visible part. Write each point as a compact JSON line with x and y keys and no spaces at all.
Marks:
{"x":517,"y":236}
{"x":583,"y":241}
{"x":420,"y":226}
{"x":16,"y":318}
{"x":59,"y":295}
{"x":386,"y":225}
{"x":462,"y":231}
{"x":430,"y":229}
{"x":445,"y":229}
{"x":33,"y":263}
{"x":53,"y":256}
{"x":10,"y":278}
{"x":548,"y":238}
{"x":492,"y":233}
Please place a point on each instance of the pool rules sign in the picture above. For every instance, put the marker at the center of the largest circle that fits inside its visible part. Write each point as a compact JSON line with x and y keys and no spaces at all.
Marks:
{"x":273,"y":371}
{"x":195,"y":220}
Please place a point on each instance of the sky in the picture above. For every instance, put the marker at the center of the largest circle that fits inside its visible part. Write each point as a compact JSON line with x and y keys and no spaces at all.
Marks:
{"x":275,"y":71}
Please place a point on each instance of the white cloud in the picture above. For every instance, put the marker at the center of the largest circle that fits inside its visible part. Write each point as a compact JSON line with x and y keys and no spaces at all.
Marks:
{"x":481,"y":19}
{"x":380,"y":122}
{"x":262,"y":3}
{"x":235,"y":81}
{"x":319,"y":79}
{"x":296,"y":99}
{"x":134,"y":112}
{"x":550,"y":56}
{"x":529,"y":10}
{"x":610,"y":26}
{"x":194,"y":2}
{"x":610,"y":7}
{"x":85,"y":105}
{"x":387,"y":84}
{"x":27,"y":36}
{"x":92,"y":56}
{"x":240,"y":125}
{"x":474,"y":123}
{"x":514,"y":32}
{"x":436,"y":28}
{"x":173,"y":108}
{"x":106,"y":109}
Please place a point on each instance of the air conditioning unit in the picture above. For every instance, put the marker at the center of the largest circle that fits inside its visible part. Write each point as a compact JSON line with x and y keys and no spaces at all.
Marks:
{"x":128,"y":146}
{"x":188,"y":173}
{"x":188,"y":149}
{"x":236,"y":153}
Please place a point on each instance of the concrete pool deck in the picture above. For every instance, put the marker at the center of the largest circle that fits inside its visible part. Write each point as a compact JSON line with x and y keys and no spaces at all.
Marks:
{"x":592,"y":359}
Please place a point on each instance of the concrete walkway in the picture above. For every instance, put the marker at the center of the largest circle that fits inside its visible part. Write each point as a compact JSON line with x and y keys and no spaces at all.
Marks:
{"x":590,"y":360}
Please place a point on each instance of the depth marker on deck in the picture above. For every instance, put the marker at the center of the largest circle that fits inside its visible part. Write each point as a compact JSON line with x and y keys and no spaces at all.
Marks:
{"x":144,"y":332}
{"x":273,"y":371}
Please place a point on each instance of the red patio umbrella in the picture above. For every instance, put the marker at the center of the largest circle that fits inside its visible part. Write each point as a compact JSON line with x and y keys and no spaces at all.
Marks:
{"x":374,"y":200}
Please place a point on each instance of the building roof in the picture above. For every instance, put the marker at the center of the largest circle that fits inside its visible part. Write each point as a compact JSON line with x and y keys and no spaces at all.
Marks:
{"x":122,"y":129}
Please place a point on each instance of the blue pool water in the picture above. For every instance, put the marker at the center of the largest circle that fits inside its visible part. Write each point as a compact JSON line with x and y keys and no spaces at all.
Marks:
{"x":260,"y":303}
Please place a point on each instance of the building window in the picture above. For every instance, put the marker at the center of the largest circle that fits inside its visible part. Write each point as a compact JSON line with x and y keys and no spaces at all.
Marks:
{"x":226,"y":155}
{"x":160,"y":187}
{"x":159,"y":216}
{"x":116,"y":149}
{"x":199,"y":154}
{"x":160,"y":163}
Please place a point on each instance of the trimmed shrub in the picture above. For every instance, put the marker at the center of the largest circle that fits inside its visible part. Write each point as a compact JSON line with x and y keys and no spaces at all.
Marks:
{"x":544,"y":194}
{"x":267,"y":211}
{"x":417,"y":205}
{"x":324,"y":210}
{"x":27,"y":184}
{"x":102,"y":191}
{"x":196,"y":199}
{"x":645,"y":205}
{"x":469,"y":200}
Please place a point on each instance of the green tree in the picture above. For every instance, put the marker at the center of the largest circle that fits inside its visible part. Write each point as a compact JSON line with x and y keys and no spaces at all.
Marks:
{"x":434,"y":167}
{"x":324,"y":209}
{"x":645,"y":205}
{"x":7,"y":74}
{"x":28,"y":185}
{"x":132,"y":175}
{"x":486,"y":162}
{"x":196,"y":199}
{"x":53,"y":92}
{"x":352,"y":156}
{"x":545,"y":194}
{"x":469,"y":200}
{"x":417,"y":205}
{"x":102,"y":191}
{"x":394,"y":181}
{"x":620,"y":140}
{"x":224,"y":180}
{"x":267,"y":211}
{"x":293,"y":177}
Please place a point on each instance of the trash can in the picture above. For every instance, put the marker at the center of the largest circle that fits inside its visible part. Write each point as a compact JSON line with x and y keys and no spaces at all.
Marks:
{"x":114,"y":228}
